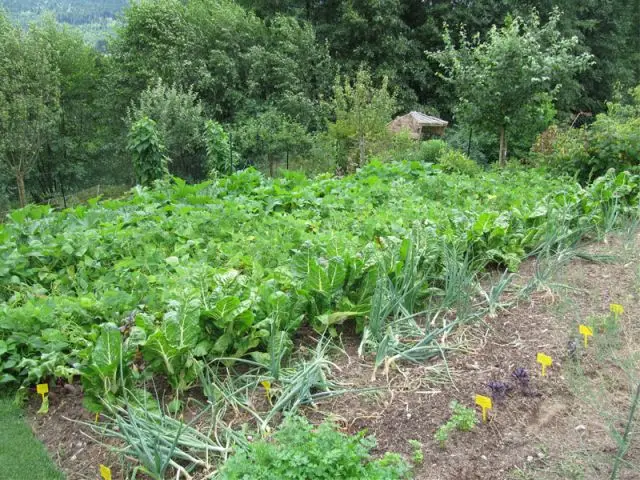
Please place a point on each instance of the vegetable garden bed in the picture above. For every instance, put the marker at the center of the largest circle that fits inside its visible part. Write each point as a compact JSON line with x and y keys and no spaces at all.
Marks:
{"x":204,"y":286}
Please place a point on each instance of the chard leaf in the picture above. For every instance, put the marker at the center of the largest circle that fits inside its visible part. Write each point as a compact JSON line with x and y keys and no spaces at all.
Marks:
{"x":107,"y":352}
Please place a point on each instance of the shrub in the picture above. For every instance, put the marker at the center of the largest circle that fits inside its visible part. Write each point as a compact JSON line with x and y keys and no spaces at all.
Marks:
{"x":455,"y":161}
{"x":148,"y":152}
{"x":563,"y":151}
{"x":612,"y":141}
{"x":431,"y":150}
{"x":300,"y":451}
{"x":615,"y":143}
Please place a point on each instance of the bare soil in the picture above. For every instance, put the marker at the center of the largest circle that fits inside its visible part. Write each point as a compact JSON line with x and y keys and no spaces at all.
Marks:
{"x":561,"y":430}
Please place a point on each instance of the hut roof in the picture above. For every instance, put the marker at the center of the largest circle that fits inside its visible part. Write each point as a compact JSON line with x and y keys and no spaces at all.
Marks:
{"x":428,"y":120}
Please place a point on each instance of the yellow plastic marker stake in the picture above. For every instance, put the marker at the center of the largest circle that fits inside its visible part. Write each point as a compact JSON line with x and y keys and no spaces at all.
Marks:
{"x":586,"y":332}
{"x":485,"y":403}
{"x":545,"y":361}
{"x":267,"y":388}
{"x":105,"y":472}
{"x":616,"y":309}
{"x":43,"y":389}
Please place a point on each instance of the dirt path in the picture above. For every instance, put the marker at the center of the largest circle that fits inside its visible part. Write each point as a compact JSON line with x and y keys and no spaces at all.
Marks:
{"x":560,"y":429}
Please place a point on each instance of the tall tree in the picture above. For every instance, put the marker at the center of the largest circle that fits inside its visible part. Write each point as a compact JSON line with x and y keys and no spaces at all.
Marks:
{"x":179,"y":119}
{"x":29,"y":101}
{"x":69,"y":156}
{"x":362,"y":112}
{"x":501,"y":80}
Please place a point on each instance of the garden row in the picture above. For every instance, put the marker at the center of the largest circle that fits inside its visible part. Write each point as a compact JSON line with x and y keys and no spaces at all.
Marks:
{"x":169,"y":280}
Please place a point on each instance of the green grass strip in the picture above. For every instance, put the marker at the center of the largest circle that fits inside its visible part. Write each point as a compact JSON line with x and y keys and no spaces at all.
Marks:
{"x":22,"y":456}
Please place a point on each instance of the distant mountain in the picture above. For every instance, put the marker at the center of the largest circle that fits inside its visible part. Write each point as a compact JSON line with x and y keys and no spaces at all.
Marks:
{"x":76,"y":12}
{"x":94,"y":17}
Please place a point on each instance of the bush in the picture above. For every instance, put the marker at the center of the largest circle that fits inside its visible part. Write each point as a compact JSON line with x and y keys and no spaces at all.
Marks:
{"x":455,"y":161}
{"x":298,"y":451}
{"x":563,"y":151}
{"x":612,"y":141}
{"x":615,"y":143}
{"x":431,"y":150}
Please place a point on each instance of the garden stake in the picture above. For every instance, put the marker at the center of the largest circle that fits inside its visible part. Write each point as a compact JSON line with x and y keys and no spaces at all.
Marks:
{"x":105,"y":472}
{"x":616,"y":309}
{"x":545,"y":361}
{"x":586,"y":332}
{"x":43,"y":389}
{"x":485,"y":403}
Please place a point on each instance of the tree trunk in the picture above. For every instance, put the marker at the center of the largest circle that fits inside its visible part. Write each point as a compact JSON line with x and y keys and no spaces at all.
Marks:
{"x":22,"y":196}
{"x":502,"y":157}
{"x":362,"y":156}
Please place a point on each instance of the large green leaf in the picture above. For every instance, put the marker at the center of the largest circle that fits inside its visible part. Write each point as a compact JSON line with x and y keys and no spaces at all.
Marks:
{"x":181,"y":325}
{"x":107,"y":353}
{"x":158,"y":350}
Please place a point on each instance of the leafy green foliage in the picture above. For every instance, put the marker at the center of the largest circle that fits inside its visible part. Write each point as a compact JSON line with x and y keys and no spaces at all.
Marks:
{"x":219,"y":149}
{"x":611,"y":141}
{"x":455,"y":161}
{"x":280,"y":63}
{"x":502,"y":81}
{"x":362,"y":112}
{"x":417,"y":456}
{"x":29,"y":101}
{"x":147,"y":150}
{"x":179,"y":118}
{"x":462,"y":419}
{"x":182,"y":290}
{"x":103,"y":374}
{"x":298,"y":450}
{"x":271,"y":138}
{"x":431,"y":150}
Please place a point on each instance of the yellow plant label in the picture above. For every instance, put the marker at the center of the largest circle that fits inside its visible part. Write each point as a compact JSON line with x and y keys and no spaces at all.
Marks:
{"x":267,"y":386}
{"x":616,"y":309}
{"x":105,"y":472}
{"x":267,"y":389}
{"x":485,"y":403}
{"x":586,"y":332}
{"x":545,"y":361}
{"x":42,"y":388}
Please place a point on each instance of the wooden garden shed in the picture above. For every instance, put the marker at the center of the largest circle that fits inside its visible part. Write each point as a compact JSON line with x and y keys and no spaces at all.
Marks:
{"x":419,"y":125}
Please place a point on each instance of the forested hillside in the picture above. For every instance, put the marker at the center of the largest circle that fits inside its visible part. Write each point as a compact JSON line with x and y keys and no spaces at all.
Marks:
{"x":75,"y":12}
{"x":95,"y":18}
{"x":265,"y":75}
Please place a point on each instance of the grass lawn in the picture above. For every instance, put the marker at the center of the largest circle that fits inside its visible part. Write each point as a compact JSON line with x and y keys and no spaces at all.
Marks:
{"x":22,"y":456}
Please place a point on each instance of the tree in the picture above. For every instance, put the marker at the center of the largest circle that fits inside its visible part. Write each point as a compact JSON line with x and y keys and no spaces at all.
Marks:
{"x":178,"y":115}
{"x":362,"y":113}
{"x":374,"y":33}
{"x":221,"y":157}
{"x":29,"y":101}
{"x":500,"y":80}
{"x":147,"y":150}
{"x":291,"y":71}
{"x":69,"y":156}
{"x":270,"y":137}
